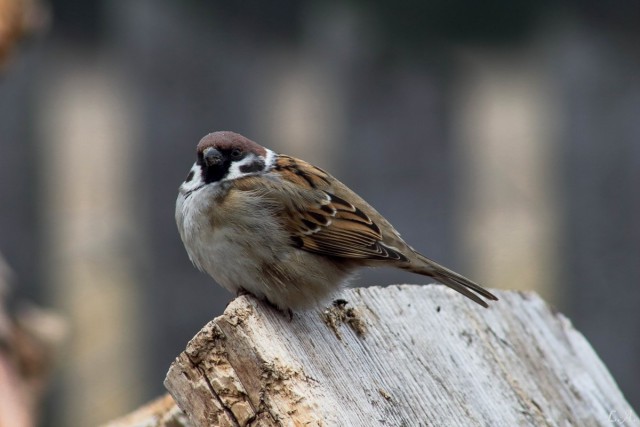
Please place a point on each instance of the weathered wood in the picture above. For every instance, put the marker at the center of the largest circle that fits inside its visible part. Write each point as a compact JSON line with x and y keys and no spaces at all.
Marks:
{"x":162,"y":412}
{"x":396,"y":356}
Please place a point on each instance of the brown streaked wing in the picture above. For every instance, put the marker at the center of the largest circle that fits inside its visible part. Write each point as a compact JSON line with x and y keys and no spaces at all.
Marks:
{"x":301,"y":173}
{"x":327,"y":224}
{"x":337,"y":228}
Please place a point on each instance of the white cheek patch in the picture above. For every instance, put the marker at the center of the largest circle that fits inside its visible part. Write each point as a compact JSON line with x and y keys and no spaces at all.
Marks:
{"x":194,"y":179}
{"x":250,"y":165}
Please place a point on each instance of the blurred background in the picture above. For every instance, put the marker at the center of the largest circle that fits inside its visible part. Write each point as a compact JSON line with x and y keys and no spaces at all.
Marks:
{"x":501,"y":138}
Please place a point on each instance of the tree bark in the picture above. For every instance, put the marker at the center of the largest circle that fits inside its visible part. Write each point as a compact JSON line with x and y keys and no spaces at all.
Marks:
{"x":396,"y":356}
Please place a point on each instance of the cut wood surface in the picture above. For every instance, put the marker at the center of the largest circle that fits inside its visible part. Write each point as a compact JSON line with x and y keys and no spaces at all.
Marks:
{"x":397,"y":356}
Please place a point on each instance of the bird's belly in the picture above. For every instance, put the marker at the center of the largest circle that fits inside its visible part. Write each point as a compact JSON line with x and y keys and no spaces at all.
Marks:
{"x":231,"y":259}
{"x":274,"y":270}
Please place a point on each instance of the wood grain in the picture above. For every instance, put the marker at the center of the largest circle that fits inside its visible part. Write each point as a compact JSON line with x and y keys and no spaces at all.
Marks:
{"x":397,"y":356}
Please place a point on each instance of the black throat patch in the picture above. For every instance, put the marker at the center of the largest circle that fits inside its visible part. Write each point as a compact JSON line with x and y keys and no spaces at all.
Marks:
{"x":217,"y":172}
{"x":214,"y":173}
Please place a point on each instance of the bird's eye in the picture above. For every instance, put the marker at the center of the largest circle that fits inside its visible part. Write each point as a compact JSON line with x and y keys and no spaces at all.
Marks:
{"x":236,"y":153}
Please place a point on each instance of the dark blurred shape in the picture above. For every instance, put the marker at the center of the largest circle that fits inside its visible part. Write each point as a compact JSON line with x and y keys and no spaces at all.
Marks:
{"x":83,"y":21}
{"x":280,"y":19}
{"x":600,"y":166}
{"x":618,"y":16}
{"x":415,"y":23}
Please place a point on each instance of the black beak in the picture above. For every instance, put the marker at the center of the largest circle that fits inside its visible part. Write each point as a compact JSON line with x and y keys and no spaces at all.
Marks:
{"x":212,"y":157}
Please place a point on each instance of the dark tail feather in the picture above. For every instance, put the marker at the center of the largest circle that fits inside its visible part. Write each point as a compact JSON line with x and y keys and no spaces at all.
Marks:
{"x":452,"y":279}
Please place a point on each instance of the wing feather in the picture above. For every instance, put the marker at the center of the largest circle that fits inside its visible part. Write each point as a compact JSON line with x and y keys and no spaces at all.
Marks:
{"x":323,"y":222}
{"x":327,"y":224}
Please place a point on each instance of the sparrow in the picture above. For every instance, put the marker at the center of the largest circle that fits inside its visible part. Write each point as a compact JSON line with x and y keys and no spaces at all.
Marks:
{"x":286,"y":231}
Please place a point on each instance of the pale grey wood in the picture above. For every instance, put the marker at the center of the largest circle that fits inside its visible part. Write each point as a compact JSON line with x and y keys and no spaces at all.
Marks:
{"x":405,"y":356}
{"x":162,"y":412}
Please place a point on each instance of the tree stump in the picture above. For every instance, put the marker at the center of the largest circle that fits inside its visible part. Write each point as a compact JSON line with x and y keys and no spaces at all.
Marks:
{"x":396,"y":356}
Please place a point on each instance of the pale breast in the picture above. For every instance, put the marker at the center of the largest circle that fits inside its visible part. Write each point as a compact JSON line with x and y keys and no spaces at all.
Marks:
{"x":230,"y":237}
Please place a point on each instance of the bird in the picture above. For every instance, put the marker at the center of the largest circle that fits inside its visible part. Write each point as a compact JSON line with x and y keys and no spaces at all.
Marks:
{"x":286,"y":231}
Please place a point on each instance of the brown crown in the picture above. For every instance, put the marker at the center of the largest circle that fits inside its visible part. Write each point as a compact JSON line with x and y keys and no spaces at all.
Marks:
{"x":225,"y":140}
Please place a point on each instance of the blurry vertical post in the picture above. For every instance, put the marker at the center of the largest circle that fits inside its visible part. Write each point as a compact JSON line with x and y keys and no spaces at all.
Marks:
{"x":303,"y":104}
{"x":505,"y":130}
{"x":87,"y":135}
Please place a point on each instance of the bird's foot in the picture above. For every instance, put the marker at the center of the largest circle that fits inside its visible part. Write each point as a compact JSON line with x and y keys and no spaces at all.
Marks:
{"x":288,"y":313}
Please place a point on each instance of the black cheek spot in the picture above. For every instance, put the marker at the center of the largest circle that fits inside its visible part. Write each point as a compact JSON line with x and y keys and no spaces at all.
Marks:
{"x":256,"y":166}
{"x":189,"y":177}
